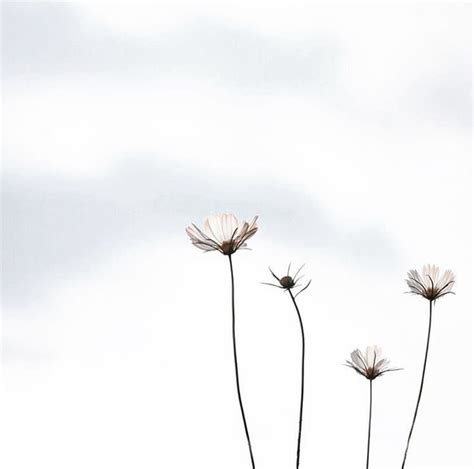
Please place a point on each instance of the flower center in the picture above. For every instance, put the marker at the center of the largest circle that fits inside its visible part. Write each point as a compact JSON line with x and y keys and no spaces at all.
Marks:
{"x":287,"y":282}
{"x":227,"y":247}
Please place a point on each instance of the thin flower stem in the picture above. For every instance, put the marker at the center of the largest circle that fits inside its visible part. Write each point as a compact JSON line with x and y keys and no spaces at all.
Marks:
{"x":421,"y":385}
{"x":236,"y":363}
{"x":370,"y":427}
{"x":302,"y":378}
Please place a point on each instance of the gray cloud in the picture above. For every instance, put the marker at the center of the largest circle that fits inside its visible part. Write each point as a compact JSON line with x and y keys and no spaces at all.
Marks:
{"x":447,"y":99}
{"x":55,"y":228}
{"x":53,"y":40}
{"x":16,"y":352}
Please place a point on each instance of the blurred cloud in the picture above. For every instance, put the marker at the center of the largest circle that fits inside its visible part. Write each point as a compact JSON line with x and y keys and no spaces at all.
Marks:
{"x":365,"y":70}
{"x":55,"y":40}
{"x":27,"y":355}
{"x":59,"y":227}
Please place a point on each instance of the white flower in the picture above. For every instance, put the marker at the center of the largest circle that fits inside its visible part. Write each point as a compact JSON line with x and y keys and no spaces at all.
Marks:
{"x":430,"y":284}
{"x":223,"y":233}
{"x":371,"y":364}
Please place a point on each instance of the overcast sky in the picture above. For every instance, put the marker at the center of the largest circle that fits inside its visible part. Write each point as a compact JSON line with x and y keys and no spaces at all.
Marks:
{"x":346,"y":128}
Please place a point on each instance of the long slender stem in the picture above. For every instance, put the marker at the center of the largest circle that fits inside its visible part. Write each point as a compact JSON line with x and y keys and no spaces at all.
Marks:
{"x":421,"y":385}
{"x":370,"y":427}
{"x":302,"y":379}
{"x":236,"y":363}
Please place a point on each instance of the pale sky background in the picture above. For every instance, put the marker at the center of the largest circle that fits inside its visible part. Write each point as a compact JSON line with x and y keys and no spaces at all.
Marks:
{"x":346,"y":128}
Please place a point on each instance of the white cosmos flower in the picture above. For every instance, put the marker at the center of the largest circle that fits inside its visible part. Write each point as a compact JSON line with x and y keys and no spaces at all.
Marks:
{"x":430,"y":284}
{"x":371,"y":364}
{"x":223,"y":233}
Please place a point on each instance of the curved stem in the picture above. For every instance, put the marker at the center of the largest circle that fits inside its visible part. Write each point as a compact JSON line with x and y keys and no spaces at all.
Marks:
{"x":370,"y":427}
{"x":421,"y":385}
{"x":236,"y":363}
{"x":302,"y":379}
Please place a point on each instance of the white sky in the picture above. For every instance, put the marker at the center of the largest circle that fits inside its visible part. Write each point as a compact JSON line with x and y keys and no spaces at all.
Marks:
{"x":346,"y":128}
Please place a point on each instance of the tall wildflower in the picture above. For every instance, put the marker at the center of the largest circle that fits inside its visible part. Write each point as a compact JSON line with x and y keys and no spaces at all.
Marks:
{"x":432,"y":286}
{"x":224,"y":233}
{"x":371,"y":365}
{"x":290,"y":283}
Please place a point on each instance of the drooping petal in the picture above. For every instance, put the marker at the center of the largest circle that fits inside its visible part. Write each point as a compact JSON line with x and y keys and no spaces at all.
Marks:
{"x":358,"y":360}
{"x":205,"y":247}
{"x":193,"y":234}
